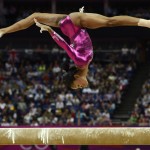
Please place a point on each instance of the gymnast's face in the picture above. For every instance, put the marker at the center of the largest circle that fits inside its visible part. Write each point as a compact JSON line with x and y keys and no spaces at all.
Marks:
{"x":79,"y":82}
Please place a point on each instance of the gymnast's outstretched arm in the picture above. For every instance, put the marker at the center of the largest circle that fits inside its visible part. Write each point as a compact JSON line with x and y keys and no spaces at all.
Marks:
{"x":45,"y":18}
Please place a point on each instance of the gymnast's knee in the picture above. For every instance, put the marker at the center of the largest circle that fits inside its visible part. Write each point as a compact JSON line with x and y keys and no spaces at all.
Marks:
{"x":112,"y":21}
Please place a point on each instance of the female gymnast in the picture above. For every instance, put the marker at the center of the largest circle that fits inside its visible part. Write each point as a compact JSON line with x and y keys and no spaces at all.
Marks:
{"x":74,"y":26}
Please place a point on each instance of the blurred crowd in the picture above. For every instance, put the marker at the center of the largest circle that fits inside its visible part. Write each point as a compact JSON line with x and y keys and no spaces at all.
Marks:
{"x":32,"y":90}
{"x":140,"y":115}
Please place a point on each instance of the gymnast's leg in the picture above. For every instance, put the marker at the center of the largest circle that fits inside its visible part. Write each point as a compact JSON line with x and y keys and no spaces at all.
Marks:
{"x":45,"y":18}
{"x":93,"y":21}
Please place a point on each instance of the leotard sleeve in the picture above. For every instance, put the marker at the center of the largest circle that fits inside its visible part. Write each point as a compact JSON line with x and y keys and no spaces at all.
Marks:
{"x":63,"y":44}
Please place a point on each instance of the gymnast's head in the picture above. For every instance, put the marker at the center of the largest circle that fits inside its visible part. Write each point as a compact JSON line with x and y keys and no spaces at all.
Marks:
{"x":73,"y":79}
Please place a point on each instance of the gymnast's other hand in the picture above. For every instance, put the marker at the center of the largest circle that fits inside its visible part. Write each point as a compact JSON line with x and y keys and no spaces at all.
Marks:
{"x":42,"y":26}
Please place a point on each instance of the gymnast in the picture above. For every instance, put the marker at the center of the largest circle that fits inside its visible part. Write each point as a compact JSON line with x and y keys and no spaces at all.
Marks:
{"x":74,"y":25}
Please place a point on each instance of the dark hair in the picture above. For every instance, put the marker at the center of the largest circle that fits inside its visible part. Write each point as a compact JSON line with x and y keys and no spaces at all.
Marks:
{"x":68,"y":74}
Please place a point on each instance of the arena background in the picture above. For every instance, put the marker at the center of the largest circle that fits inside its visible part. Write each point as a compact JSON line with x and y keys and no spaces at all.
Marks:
{"x":32,"y":92}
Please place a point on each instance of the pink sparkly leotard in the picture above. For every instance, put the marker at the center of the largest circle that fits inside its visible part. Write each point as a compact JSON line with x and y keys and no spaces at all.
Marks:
{"x":80,"y":49}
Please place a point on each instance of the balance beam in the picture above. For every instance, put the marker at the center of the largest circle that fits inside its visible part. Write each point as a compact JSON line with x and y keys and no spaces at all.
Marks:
{"x":75,"y":136}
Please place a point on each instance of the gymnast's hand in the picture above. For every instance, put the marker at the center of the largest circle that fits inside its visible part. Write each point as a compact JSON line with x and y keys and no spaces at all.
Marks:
{"x":42,"y":26}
